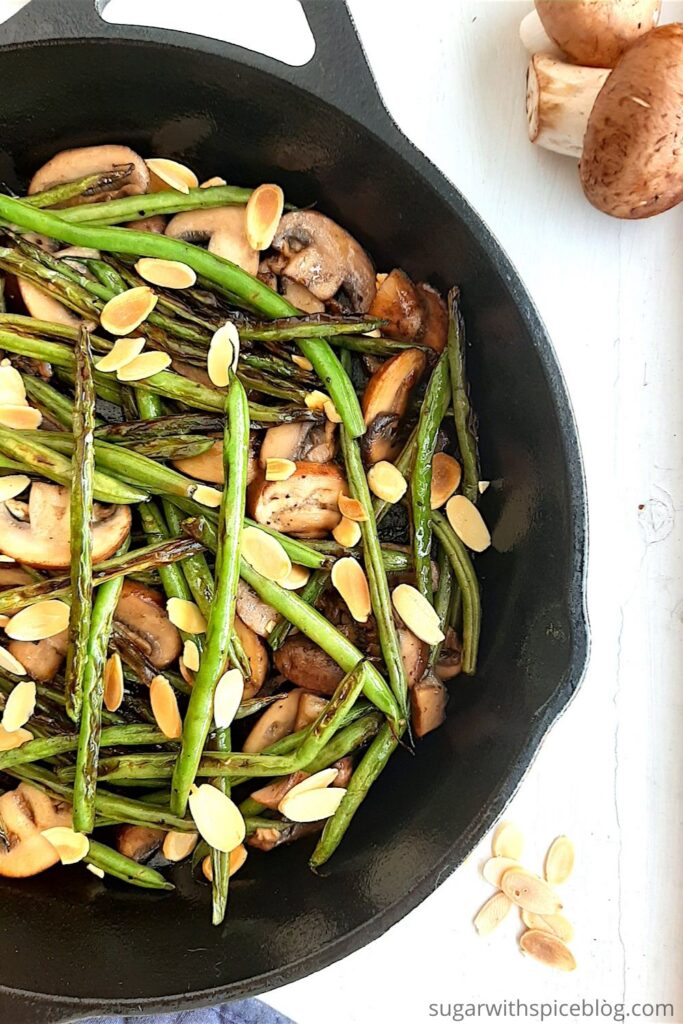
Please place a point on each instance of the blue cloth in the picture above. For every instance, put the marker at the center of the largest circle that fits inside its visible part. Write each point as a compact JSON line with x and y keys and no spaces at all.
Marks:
{"x":245,"y":1011}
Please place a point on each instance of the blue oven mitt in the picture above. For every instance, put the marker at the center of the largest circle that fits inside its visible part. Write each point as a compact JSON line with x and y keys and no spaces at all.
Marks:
{"x":245,"y":1011}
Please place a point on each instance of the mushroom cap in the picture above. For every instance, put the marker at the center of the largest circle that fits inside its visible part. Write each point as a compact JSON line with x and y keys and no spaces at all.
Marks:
{"x":223,"y":229}
{"x":325,"y":258}
{"x":596,"y":32}
{"x":140,"y":611}
{"x":71,"y":164}
{"x":41,"y":537}
{"x":632,"y":162}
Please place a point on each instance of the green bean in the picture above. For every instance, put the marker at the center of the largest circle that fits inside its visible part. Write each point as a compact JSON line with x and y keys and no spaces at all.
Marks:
{"x":311,"y":326}
{"x":462,"y":410}
{"x":112,"y":736}
{"x":152,"y":426}
{"x":178,"y":446}
{"x":299,"y":551}
{"x":442,"y":600}
{"x":310,"y":594}
{"x":220,"y":623}
{"x":31,"y":325}
{"x":131,"y":208}
{"x":80,"y":530}
{"x":124,"y":868}
{"x":469,"y":589}
{"x":85,"y":187}
{"x":59,"y":407}
{"x":434,"y":405}
{"x":107,"y":276}
{"x":220,"y":862}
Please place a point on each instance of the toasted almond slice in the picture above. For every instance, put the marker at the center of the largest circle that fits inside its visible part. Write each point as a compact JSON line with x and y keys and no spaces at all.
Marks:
{"x":207,"y":868}
{"x":495,"y":867}
{"x":4,"y":619}
{"x":264,"y":209}
{"x":446,"y":474}
{"x":237,"y":859}
{"x":466,"y":520}
{"x":556,"y":924}
{"x":20,"y":417}
{"x":302,"y":362}
{"x":11,"y":486}
{"x":483,"y":486}
{"x":351,"y":508}
{"x":559,"y":860}
{"x":265,"y":554}
{"x":123,"y":352}
{"x":185,"y":671}
{"x":185,"y":615}
{"x":547,"y":948}
{"x":166,"y":273}
{"x":10,"y":663}
{"x":191,"y":655}
{"x":330,"y":410}
{"x":218,"y":819}
{"x":39,"y":621}
{"x":126,"y":311}
{"x":94,"y":870}
{"x":209,"y":496}
{"x":280,"y":469}
{"x":165,"y":707}
{"x":212,"y":182}
{"x":179,"y":845}
{"x":351,"y":582}
{"x":312,"y":805}
{"x":492,"y":913}
{"x":169,"y":174}
{"x":11,"y":740}
{"x":113,"y":683}
{"x":296,"y":578}
{"x":223,"y":354}
{"x":227,"y":697}
{"x":507,"y":841}
{"x":387,"y":482}
{"x":320,"y":780}
{"x":530,"y":892}
{"x":19,"y":706}
{"x":417,"y":613}
{"x":12,"y":390}
{"x":146,"y":365}
{"x":316,"y":400}
{"x":347,"y":533}
{"x":71,"y":846}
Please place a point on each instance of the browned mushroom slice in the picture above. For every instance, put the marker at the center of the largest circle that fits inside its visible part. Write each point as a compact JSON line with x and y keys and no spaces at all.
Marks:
{"x":300,"y":296}
{"x":138,"y":842}
{"x":414,"y":654}
{"x":449,"y":663}
{"x":140,"y":610}
{"x":345,"y":770}
{"x":386,"y":394}
{"x":155,"y":225}
{"x":271,"y":795}
{"x":192,"y":372}
{"x":257,"y":655}
{"x":325,"y":258}
{"x":71,"y":164}
{"x":267,"y":839}
{"x":398,"y":301}
{"x":307,"y":441}
{"x":428,"y":700}
{"x":310,"y":706}
{"x":42,"y":659}
{"x":38,"y":533}
{"x":302,"y":662}
{"x":307,"y":502}
{"x":44,"y":307}
{"x":24,"y":813}
{"x":434,"y":328}
{"x":13,"y":576}
{"x":275,"y":722}
{"x":209,"y":465}
{"x":255,"y":613}
{"x":222,"y":230}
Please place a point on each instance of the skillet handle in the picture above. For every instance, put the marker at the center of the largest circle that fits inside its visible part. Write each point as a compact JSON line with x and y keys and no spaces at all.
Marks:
{"x":338,"y":73}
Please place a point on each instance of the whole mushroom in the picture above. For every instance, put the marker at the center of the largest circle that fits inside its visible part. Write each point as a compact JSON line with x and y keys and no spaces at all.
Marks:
{"x":596,"y":32}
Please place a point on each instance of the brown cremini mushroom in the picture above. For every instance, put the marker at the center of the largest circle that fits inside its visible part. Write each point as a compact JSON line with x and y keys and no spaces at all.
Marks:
{"x":138,"y":842}
{"x":71,"y":164}
{"x":255,"y":613}
{"x":303,"y":663}
{"x":141,"y":611}
{"x":257,"y":656}
{"x":386,"y":395}
{"x":306,"y":504}
{"x":42,"y":659}
{"x":414,"y":654}
{"x":597,"y":32}
{"x":209,"y":465}
{"x":306,"y":441}
{"x":222,"y":230}
{"x":276,"y":721}
{"x":398,"y":302}
{"x":25,"y":813}
{"x":428,"y":700}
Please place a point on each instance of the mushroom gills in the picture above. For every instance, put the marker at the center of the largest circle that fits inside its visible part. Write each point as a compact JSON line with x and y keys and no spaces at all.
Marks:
{"x":140,"y":610}
{"x":258,"y":616}
{"x":387,"y":394}
{"x":306,"y":441}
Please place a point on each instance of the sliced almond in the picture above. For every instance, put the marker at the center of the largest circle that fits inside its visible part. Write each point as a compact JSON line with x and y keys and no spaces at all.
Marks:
{"x":237,"y":859}
{"x":446,"y":474}
{"x":169,"y":174}
{"x":4,"y":619}
{"x":11,"y":486}
{"x":559,"y":860}
{"x":223,"y":354}
{"x":209,"y":496}
{"x":19,"y":706}
{"x":280,"y":469}
{"x":492,"y":913}
{"x":143,"y":366}
{"x":10,"y":663}
{"x":302,"y":362}
{"x":311,"y":805}
{"x":494,"y":869}
{"x":11,"y":740}
{"x":12,"y":390}
{"x":179,"y":845}
{"x":351,"y":582}
{"x":71,"y":846}
{"x":207,"y":868}
{"x":191,"y":655}
{"x":387,"y":482}
{"x":296,"y":578}
{"x":507,"y":841}
{"x":227,"y":697}
{"x":185,"y":615}
{"x":316,"y":400}
{"x":218,"y":819}
{"x":94,"y":870}
{"x":330,"y":410}
{"x":185,"y":671}
{"x":556,"y":924}
{"x":165,"y":707}
{"x":123,"y":352}
{"x":265,"y":554}
{"x":530,"y":892}
{"x":212,"y":182}
{"x":264,"y":209}
{"x":20,"y":417}
{"x":126,"y":311}
{"x":351,"y":508}
{"x":417,"y":613}
{"x":483,"y":486}
{"x":347,"y":533}
{"x":466,"y":520}
{"x":547,"y":948}
{"x":166,"y":273}
{"x":320,"y":780}
{"x":113,"y":683}
{"x":39,"y":621}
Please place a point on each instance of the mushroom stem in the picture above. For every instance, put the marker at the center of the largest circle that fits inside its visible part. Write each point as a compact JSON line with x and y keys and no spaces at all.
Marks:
{"x":559,"y":99}
{"x":534,"y":37}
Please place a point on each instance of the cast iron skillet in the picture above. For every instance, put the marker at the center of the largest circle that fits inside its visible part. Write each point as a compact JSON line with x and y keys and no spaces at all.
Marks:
{"x":70,"y":946}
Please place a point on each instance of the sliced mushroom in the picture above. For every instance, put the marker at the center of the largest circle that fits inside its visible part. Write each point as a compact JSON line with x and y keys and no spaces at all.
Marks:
{"x":449,"y":664}
{"x":24,"y":813}
{"x":325,"y":258}
{"x":398,"y":301}
{"x":13,"y":576}
{"x":414,"y":654}
{"x":267,"y":839}
{"x":255,"y":613}
{"x":434,"y":328}
{"x":302,"y":662}
{"x":386,"y":395}
{"x":140,"y":610}
{"x":192,"y":372}
{"x":257,"y":655}
{"x":40,"y":534}
{"x":44,"y":307}
{"x":428,"y":700}
{"x":310,"y":706}
{"x":71,"y":164}
{"x":222,"y":229}
{"x":271,"y":795}
{"x":209,"y":465}
{"x":300,"y":296}
{"x":42,"y":659}
{"x":344,"y":772}
{"x":276,"y":721}
{"x":306,"y":504}
{"x":138,"y":842}
{"x":307,"y":441}
{"x":155,"y":225}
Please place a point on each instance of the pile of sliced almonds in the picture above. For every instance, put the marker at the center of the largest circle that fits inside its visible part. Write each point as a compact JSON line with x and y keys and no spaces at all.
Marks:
{"x":14,"y":408}
{"x":547,"y":930}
